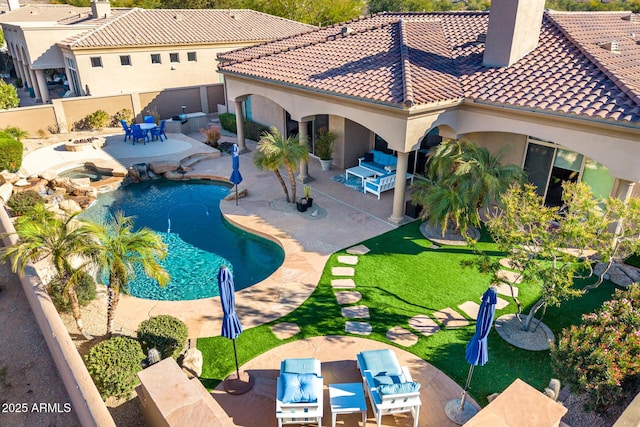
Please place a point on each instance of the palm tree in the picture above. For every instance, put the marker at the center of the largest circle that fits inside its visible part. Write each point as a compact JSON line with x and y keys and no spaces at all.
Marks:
{"x":118,"y":249}
{"x":63,"y":241}
{"x":274,"y":151}
{"x":462,"y":179}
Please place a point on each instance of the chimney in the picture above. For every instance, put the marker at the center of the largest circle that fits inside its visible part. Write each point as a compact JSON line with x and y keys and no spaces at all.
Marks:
{"x":13,"y":5}
{"x":514,"y":29}
{"x":100,"y":8}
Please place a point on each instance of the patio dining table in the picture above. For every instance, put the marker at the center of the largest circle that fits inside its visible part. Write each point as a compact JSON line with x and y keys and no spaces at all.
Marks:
{"x":147,"y":127}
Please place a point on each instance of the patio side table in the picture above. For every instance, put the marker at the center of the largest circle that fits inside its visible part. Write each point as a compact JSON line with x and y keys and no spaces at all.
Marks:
{"x":347,"y":398}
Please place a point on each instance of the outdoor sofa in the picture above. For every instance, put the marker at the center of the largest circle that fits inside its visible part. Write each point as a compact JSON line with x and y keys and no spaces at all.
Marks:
{"x":379,"y":162}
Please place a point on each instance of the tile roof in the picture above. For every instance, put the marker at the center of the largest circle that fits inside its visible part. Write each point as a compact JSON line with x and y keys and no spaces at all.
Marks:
{"x":148,"y":27}
{"x":43,"y":13}
{"x":411,"y":59}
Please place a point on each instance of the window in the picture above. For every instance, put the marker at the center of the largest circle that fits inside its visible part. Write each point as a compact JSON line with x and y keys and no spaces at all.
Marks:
{"x":125,"y":60}
{"x":191,"y":57}
{"x":155,"y":58}
{"x":96,"y":61}
{"x":174,"y":57}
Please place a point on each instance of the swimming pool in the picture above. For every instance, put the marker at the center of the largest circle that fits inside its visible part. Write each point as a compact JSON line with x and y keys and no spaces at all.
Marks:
{"x":187,"y":216}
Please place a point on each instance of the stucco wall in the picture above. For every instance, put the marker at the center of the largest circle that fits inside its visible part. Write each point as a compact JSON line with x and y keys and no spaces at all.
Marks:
{"x":76,"y":109}
{"x":168,"y":102}
{"x":514,"y":145}
{"x":267,"y":112}
{"x":30,"y":119}
{"x":357,"y":139}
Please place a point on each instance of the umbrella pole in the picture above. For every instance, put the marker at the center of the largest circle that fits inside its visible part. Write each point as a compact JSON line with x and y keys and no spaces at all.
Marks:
{"x":235,"y":354}
{"x":236,"y":194}
{"x":466,"y":388}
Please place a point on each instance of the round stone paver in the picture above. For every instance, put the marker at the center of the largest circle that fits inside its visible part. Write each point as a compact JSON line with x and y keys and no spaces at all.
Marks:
{"x":358,"y":250}
{"x":510,"y":329}
{"x":356,"y":311}
{"x":424,"y":324}
{"x":348,"y":259}
{"x":360,"y":328}
{"x":348,"y":297}
{"x":285,"y":330}
{"x":400,"y":335}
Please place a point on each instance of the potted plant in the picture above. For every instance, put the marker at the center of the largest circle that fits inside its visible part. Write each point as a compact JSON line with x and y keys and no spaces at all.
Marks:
{"x":324,"y":147}
{"x":301,"y":204}
{"x":307,"y":195}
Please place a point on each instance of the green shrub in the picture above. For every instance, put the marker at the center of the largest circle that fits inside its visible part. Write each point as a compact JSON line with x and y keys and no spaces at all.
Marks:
{"x":85,"y":289}
{"x":23,"y":201}
{"x":99,"y":119}
{"x":600,"y":356}
{"x":124,"y":114}
{"x":8,"y":96}
{"x":165,"y":333}
{"x":228,"y":121}
{"x":113,"y":365}
{"x":10,"y":153}
{"x":16,"y":133}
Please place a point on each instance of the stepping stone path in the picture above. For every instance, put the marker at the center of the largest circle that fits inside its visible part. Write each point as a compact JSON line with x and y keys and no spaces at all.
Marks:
{"x":501,"y":303}
{"x":343,"y":283}
{"x":360,"y":328}
{"x":285,"y":330}
{"x":343,"y":271}
{"x":509,"y":276}
{"x":424,"y":324}
{"x":357,"y":311}
{"x":470,"y":308}
{"x":509,"y":263}
{"x":449,"y":318}
{"x":504,"y":289}
{"x":348,"y":259}
{"x":402,"y":336}
{"x":348,"y":297}
{"x":358,"y":250}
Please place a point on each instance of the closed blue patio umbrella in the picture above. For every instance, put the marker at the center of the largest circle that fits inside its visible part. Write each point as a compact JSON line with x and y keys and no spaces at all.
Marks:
{"x":235,"y":177}
{"x":476,"y":354}
{"x":231,"y":328}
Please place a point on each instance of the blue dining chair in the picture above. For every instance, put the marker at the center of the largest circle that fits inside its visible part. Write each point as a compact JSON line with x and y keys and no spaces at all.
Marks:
{"x":138,"y":134}
{"x":127,"y":130}
{"x":158,"y":132}
{"x":149,"y":119}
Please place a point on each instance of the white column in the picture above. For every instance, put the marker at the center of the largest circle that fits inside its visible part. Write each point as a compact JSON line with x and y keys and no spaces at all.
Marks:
{"x":397,"y":215}
{"x":304,"y":176}
{"x":42,"y":86}
{"x":34,"y":85}
{"x":240,"y":126}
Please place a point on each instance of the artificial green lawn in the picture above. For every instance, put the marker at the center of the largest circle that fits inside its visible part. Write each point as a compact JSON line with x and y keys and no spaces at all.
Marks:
{"x":401,"y":277}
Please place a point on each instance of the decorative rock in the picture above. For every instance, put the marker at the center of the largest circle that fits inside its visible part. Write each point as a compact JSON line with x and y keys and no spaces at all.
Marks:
{"x":174,"y":176}
{"x":424,"y":324}
{"x":360,"y":328}
{"x":357,"y":311}
{"x":48,"y":175}
{"x":631,"y":271}
{"x":343,"y":283}
{"x":348,"y":259}
{"x":401,"y":336}
{"x":509,"y":276}
{"x":80,"y":182}
{"x":358,"y":250}
{"x":505,"y":289}
{"x":470,"y":308}
{"x":449,"y":318}
{"x":232,"y":196}
{"x":5,"y":191}
{"x":285,"y":330}
{"x":162,"y":167}
{"x":343,"y":271}
{"x":192,"y":363}
{"x":348,"y":297}
{"x":9,"y":177}
{"x":619,"y":277}
{"x":22,"y":182}
{"x":70,"y":206}
{"x":138,"y":172}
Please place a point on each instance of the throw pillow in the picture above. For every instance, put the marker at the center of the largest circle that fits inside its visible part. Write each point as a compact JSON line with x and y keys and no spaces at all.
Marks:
{"x":368,"y":157}
{"x":299,"y":388}
{"x":402,"y":388}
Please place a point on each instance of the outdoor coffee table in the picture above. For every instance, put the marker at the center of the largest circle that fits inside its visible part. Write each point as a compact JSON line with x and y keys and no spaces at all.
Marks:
{"x":347,"y":399}
{"x":359,"y":172}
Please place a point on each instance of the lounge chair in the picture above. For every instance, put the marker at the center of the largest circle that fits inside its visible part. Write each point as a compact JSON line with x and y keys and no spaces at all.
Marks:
{"x":158,"y":132}
{"x":389,"y":386}
{"x":127,"y":130}
{"x":299,"y":392}
{"x":138,"y":134}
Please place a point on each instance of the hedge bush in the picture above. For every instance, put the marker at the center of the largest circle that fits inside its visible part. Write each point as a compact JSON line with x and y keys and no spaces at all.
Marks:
{"x":252,"y":130}
{"x":600,"y":357}
{"x":23,"y":201}
{"x":10,"y":153}
{"x":98,"y":119}
{"x":165,"y":333}
{"x":124,"y":114}
{"x":113,"y":365}
{"x":85,"y":289}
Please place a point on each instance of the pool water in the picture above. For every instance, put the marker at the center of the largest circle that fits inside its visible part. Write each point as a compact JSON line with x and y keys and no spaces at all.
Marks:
{"x":187,"y":216}
{"x":84,"y":172}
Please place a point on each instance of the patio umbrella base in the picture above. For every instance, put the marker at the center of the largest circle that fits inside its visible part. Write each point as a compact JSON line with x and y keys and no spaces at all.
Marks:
{"x":235,"y":385}
{"x":452,"y":409}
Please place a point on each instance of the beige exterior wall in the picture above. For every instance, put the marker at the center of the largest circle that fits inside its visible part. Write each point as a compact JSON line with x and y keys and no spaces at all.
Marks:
{"x":142,"y":75}
{"x":358,"y":141}
{"x":514,"y":145}
{"x":76,"y":109}
{"x":215,"y":96}
{"x":267,"y":112}
{"x":38,"y":42}
{"x":31,"y":119}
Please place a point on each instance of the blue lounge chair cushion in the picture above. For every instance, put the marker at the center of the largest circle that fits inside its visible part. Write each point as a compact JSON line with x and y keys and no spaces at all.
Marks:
{"x":401,"y":388}
{"x":379,"y":362}
{"x":380,"y":380}
{"x":300,"y":366}
{"x":299,"y":388}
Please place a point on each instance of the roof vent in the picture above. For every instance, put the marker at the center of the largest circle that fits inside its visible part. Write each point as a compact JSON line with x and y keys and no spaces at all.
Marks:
{"x":611,"y":46}
{"x":632,"y":17}
{"x":482,"y":38}
{"x":346,"y":30}
{"x":178,"y":17}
